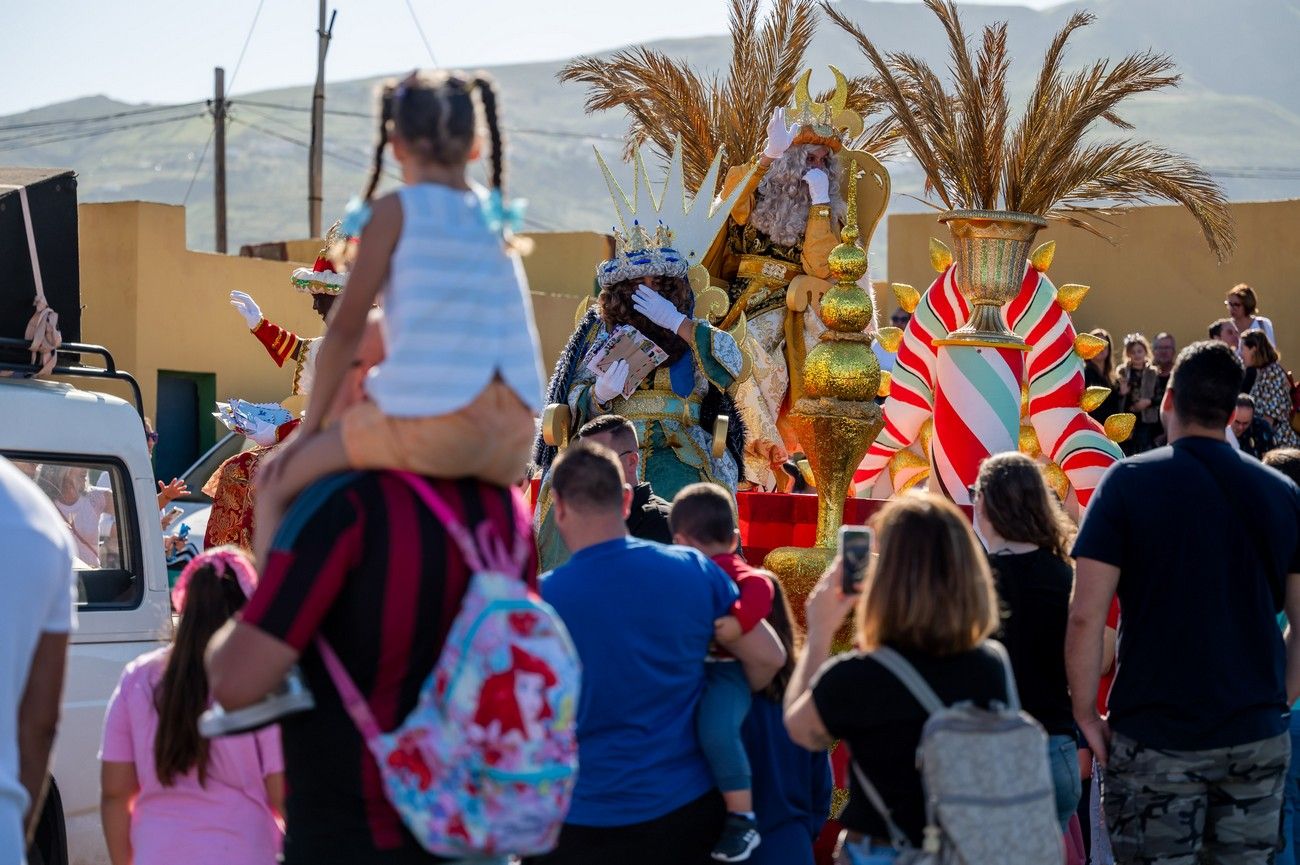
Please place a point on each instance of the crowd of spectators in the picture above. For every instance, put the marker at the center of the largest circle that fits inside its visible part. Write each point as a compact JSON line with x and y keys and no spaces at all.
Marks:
{"x":705,"y":711}
{"x":1267,"y":414}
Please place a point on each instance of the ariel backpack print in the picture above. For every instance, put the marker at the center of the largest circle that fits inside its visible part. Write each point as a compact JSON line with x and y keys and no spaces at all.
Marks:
{"x":486,"y":762}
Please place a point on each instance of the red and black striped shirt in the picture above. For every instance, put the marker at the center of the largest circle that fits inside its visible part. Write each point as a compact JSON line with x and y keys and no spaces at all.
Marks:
{"x":361,"y":561}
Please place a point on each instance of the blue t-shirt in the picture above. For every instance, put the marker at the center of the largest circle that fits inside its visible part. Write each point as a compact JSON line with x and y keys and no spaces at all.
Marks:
{"x":641,"y":616}
{"x":1201,"y":660}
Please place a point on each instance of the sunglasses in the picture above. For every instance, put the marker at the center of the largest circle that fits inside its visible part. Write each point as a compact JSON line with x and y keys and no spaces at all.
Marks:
{"x":151,"y":436}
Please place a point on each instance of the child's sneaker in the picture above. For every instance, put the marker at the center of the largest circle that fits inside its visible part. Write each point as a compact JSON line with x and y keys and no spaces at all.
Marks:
{"x":739,"y":838}
{"x":291,"y":697}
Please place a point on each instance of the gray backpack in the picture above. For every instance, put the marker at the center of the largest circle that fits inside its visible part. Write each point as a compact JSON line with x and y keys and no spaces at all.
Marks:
{"x":988,"y":788}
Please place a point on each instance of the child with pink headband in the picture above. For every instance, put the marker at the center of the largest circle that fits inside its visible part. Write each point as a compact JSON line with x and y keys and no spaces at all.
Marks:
{"x":168,"y":794}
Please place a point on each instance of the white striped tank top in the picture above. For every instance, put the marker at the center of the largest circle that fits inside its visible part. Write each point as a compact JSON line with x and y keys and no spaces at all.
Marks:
{"x":456,"y":310}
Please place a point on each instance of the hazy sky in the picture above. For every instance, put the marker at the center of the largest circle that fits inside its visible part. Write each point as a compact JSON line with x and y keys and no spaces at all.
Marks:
{"x":164,"y":50}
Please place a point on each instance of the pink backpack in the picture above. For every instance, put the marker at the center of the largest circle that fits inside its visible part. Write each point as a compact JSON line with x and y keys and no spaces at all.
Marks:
{"x":486,"y":762}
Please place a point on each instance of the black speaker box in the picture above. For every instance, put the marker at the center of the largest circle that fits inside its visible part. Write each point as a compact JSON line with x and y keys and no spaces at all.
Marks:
{"x":52,"y":199}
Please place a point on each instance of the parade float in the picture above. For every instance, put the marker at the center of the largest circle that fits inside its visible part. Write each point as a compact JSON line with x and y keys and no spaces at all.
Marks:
{"x":769,"y":261}
{"x":990,"y":360}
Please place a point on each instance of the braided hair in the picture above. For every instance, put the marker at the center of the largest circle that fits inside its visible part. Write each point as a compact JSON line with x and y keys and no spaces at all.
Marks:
{"x":434,"y":114}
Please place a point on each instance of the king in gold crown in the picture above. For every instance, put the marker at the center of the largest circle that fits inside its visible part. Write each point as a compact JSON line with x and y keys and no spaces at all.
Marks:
{"x":829,"y":123}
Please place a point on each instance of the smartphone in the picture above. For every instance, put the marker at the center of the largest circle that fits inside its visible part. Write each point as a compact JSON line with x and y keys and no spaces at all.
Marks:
{"x":855,"y":553}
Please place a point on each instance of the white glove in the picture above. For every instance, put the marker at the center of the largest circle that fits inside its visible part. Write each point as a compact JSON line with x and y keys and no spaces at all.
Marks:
{"x":778,"y":135}
{"x":657,"y":308}
{"x":247,"y":308}
{"x":611,"y":382}
{"x":819,"y":185}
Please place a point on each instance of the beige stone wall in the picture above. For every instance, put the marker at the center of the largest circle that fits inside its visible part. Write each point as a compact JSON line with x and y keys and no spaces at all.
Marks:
{"x":160,"y":306}
{"x":1159,"y":275}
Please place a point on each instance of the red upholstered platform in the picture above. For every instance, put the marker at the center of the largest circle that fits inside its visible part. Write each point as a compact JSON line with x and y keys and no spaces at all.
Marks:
{"x":771,"y":520}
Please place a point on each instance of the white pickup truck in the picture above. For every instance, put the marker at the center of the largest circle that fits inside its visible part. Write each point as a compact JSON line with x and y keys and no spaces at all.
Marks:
{"x":61,"y":434}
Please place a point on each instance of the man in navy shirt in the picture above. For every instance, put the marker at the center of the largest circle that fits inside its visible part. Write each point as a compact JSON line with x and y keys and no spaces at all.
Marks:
{"x":642,"y":617}
{"x":1202,"y":544}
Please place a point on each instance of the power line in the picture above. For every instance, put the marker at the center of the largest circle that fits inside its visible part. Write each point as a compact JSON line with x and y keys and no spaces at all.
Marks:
{"x":552,"y":133}
{"x":419,"y":29}
{"x":220,"y":117}
{"x":248,"y":38}
{"x":303,"y":108}
{"x":289,"y":139}
{"x":563,"y":133}
{"x":292,"y":140}
{"x":76,"y":136}
{"x":303,"y":144}
{"x":198,"y":166}
{"x":40,"y":124}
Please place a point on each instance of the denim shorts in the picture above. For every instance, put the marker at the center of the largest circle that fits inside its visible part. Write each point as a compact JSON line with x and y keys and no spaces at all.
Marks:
{"x":1063,"y":758}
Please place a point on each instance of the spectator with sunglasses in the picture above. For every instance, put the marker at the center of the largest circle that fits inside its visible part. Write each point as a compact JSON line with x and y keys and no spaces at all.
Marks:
{"x":1242,"y":304}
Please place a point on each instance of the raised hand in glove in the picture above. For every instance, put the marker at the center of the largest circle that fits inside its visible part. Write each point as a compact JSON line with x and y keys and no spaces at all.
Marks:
{"x":779,"y":135}
{"x":819,"y":185}
{"x":611,"y":382}
{"x":657,"y":308}
{"x":247,"y":308}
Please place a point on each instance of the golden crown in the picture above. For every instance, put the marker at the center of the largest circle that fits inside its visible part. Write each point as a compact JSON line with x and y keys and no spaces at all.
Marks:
{"x":830,"y":124}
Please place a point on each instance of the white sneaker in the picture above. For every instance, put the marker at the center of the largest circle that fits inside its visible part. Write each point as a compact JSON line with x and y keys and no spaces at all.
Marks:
{"x":291,"y":697}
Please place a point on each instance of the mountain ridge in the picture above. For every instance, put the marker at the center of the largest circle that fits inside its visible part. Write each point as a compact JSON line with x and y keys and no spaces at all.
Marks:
{"x":1237,"y":113}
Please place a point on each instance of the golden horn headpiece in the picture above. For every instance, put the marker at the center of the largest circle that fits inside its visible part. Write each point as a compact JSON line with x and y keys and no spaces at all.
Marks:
{"x":828,"y":123}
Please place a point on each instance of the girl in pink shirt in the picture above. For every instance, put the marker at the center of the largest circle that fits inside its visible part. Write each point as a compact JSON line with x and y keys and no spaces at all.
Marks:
{"x":168,"y":794}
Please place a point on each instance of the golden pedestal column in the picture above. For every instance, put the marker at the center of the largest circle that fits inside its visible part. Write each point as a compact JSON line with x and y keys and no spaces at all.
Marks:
{"x":837,"y":418}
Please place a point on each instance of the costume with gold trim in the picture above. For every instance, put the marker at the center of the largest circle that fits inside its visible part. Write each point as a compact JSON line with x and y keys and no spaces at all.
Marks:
{"x":281,"y":344}
{"x":675,"y":408}
{"x":778,"y":286}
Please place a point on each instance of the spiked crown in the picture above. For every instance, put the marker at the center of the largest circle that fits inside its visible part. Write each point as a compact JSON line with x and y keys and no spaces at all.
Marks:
{"x":668,"y":248}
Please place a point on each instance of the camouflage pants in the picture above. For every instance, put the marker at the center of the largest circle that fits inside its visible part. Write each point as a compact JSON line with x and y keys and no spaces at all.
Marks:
{"x":1182,"y":807}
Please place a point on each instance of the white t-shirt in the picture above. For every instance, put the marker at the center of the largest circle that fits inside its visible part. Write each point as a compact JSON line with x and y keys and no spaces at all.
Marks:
{"x":40,"y":595}
{"x":83,"y":518}
{"x":1263,"y":323}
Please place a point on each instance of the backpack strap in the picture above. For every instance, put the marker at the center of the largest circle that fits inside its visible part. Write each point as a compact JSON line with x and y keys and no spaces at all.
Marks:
{"x":921,"y":690}
{"x":897,"y":836}
{"x":488,"y":552}
{"x":356,"y":705}
{"x":911,"y":679}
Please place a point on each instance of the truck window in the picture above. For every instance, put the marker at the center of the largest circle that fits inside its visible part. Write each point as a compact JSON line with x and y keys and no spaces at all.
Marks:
{"x":94,"y":499}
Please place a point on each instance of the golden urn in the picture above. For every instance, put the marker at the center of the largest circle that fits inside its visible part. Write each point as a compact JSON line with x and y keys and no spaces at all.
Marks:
{"x":990,"y":248}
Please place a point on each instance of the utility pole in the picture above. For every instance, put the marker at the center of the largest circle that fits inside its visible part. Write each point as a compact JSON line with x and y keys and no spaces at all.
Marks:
{"x":219,"y":158}
{"x":315,"y":166}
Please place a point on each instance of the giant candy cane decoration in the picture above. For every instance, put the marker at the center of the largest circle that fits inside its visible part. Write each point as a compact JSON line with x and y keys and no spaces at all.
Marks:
{"x":958,"y":423}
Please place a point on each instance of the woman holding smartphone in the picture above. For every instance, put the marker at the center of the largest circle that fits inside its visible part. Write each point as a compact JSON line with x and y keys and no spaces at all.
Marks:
{"x":929,"y":596}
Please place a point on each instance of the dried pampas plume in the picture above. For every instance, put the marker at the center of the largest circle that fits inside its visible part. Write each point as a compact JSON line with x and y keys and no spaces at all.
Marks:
{"x":665,"y":98}
{"x":973,"y":160}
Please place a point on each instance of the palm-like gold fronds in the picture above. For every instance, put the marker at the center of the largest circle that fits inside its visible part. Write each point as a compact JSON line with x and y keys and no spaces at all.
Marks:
{"x":665,"y":98}
{"x":973,"y":160}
